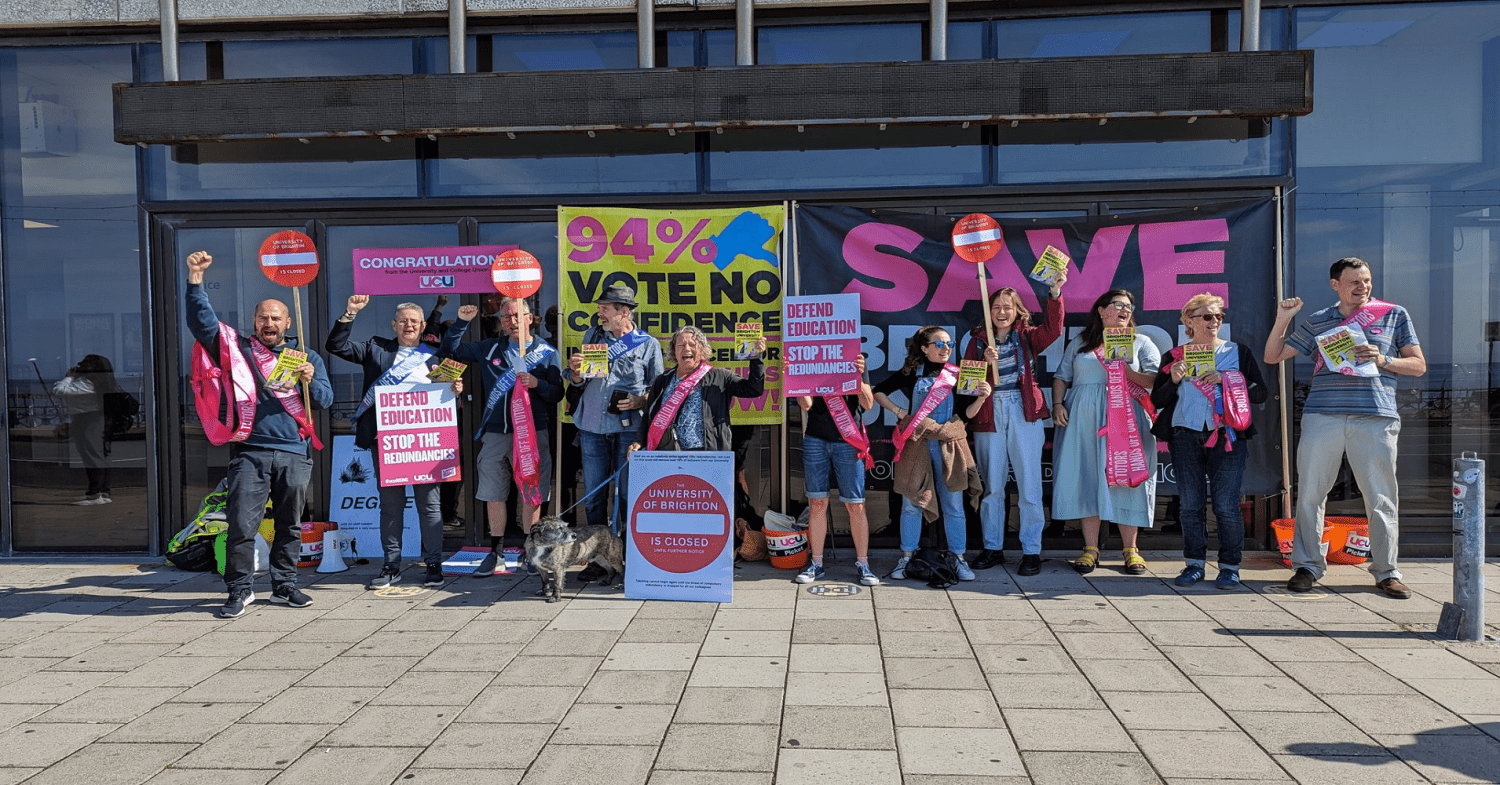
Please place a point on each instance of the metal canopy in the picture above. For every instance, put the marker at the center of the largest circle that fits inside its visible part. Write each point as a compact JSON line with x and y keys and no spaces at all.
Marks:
{"x":1218,"y":84}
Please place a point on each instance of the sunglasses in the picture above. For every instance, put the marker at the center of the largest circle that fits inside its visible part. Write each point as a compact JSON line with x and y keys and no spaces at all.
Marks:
{"x":943,"y":344}
{"x":1122,"y":305}
{"x":1210,"y":317}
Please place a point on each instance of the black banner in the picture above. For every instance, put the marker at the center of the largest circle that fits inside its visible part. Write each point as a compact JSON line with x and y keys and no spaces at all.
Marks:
{"x":904,"y":269}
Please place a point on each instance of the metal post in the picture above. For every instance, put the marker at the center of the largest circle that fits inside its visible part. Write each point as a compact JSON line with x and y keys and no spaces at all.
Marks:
{"x":458,"y":37}
{"x":645,"y":33}
{"x":169,"y":71}
{"x":938,"y":36}
{"x":744,"y":32}
{"x":1463,"y":619}
{"x":1249,"y":25}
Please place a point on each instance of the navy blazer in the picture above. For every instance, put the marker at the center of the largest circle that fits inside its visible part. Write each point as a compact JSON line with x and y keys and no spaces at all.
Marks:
{"x":374,"y":357}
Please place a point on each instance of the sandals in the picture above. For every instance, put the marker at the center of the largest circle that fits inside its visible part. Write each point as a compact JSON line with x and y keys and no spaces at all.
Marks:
{"x":1134,"y":564}
{"x":1086,"y":563}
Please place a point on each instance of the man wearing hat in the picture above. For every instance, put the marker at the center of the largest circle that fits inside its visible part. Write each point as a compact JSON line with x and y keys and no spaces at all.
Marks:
{"x":607,"y":410}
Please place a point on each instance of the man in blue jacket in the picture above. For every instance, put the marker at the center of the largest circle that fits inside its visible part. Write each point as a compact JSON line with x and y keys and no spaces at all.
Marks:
{"x":272,"y":462}
{"x":502,"y":368}
{"x":403,"y":359}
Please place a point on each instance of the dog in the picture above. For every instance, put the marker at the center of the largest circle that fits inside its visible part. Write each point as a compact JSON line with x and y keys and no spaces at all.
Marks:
{"x":553,"y":547}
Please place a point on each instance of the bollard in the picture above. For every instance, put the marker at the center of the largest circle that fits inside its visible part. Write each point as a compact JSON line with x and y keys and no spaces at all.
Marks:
{"x":1463,"y":619}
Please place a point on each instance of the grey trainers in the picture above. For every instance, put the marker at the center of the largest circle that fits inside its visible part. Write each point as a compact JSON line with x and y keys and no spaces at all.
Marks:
{"x":237,"y":604}
{"x":866,"y":578}
{"x":900,"y":572}
{"x":814,"y":572}
{"x":290,"y":596}
{"x":389,"y":574}
{"x":486,"y":568}
{"x":964,"y":573}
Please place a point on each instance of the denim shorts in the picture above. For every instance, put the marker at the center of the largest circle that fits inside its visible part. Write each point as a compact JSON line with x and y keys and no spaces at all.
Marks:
{"x":816,"y":457}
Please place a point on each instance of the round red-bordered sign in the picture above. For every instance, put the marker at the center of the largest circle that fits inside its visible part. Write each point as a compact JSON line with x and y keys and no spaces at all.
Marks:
{"x":668,"y":547}
{"x":976,"y":238}
{"x":516,"y":273}
{"x":289,"y":259}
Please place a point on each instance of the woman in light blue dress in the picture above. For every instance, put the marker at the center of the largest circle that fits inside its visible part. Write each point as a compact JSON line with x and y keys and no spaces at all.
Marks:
{"x":1080,"y":403}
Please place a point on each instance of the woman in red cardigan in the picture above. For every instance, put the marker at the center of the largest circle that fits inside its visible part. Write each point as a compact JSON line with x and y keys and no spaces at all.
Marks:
{"x":1008,"y":432}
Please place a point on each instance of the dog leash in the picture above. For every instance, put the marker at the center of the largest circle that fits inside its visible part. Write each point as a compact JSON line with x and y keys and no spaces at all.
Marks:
{"x":596,"y":489}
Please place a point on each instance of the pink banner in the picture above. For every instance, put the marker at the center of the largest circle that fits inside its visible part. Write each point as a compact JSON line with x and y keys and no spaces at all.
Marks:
{"x":417,"y":434}
{"x":820,"y":336}
{"x":463,"y":269}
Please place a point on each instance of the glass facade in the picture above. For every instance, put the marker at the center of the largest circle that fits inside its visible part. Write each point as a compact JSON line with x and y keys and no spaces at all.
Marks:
{"x":1369,"y":173}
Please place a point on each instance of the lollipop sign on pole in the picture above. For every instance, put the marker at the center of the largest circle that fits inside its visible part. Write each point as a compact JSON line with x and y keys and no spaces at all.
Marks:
{"x":977,"y":238}
{"x":290,"y":259}
{"x":516,"y":274}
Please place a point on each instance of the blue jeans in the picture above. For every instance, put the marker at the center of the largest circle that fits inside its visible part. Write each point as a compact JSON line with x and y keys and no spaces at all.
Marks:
{"x":255,"y":475}
{"x":952,"y":504}
{"x":602,"y":454}
{"x":821,"y":458}
{"x":1200,"y":469}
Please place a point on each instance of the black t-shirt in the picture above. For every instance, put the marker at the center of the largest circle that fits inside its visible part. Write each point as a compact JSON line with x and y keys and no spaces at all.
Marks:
{"x":820,"y":420}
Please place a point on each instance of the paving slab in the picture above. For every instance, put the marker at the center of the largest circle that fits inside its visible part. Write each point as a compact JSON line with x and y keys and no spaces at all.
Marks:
{"x":570,"y":765}
{"x":732,"y":618}
{"x":730,"y":705}
{"x":837,"y":728}
{"x":635,"y":687}
{"x":1071,"y":768}
{"x":375,"y":765}
{"x":933,"y":673}
{"x":1043,"y":691}
{"x":520,"y":704}
{"x":742,"y":671}
{"x":316,"y":705}
{"x":614,"y":724}
{"x":431,"y":688}
{"x":734,"y":748}
{"x":664,"y":777}
{"x":1205,"y":754}
{"x":651,"y":630}
{"x":833,"y":631}
{"x":116,"y":705}
{"x":469,"y":657}
{"x":650,"y":657}
{"x":1183,"y":711}
{"x":958,"y":751}
{"x":111,"y":764}
{"x":819,"y":766}
{"x":253,"y":747}
{"x":919,"y":644}
{"x":300,"y":655}
{"x":836,"y":658}
{"x":1024,"y":658}
{"x":945,"y":709}
{"x":549,"y":671}
{"x":181,"y":722}
{"x":12,"y":714}
{"x":1258,"y":693}
{"x":747,"y":643}
{"x":45,"y":743}
{"x":804,"y":688}
{"x":1061,"y":730}
{"x":479,"y":745}
{"x":392,"y":726}
{"x":1340,"y":770}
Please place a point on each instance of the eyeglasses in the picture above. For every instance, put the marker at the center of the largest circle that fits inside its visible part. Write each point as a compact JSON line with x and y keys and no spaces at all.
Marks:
{"x":1122,"y":305}
{"x":512,"y":317}
{"x":1210,"y":317}
{"x":943,"y":344}
{"x":408,"y":322}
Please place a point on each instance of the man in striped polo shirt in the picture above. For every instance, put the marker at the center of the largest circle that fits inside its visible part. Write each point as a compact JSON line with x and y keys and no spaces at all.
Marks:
{"x":1350,"y":411}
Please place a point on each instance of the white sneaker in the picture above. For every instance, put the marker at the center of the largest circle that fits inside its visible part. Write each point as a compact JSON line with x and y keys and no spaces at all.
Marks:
{"x":92,"y":500}
{"x":964,"y":573}
{"x":900,"y":572}
{"x":866,"y":578}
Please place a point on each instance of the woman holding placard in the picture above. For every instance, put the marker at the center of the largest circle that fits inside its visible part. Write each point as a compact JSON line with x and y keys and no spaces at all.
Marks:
{"x":1101,"y":389}
{"x":933,"y":429}
{"x":1203,"y":398}
{"x":1008,"y":433}
{"x":687,"y":408}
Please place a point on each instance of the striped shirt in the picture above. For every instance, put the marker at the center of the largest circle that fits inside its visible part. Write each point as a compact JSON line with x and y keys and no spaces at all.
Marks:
{"x":1008,"y":371}
{"x":1336,"y":393}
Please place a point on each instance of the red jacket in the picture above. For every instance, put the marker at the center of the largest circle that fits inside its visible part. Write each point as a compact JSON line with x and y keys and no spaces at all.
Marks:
{"x":1034,"y":340}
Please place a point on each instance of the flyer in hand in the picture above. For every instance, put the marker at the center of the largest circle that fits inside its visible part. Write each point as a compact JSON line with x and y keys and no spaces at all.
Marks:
{"x":1119,"y":343}
{"x":1337,"y":347}
{"x":1200,"y":359}
{"x":447,"y":371}
{"x":1048,"y":265}
{"x":970,"y":374}
{"x":284,"y":374}
{"x":595,"y":361}
{"x":746,"y":336}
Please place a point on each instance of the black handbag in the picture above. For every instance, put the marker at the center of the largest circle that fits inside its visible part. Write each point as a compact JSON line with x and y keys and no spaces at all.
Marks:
{"x":938,"y":568}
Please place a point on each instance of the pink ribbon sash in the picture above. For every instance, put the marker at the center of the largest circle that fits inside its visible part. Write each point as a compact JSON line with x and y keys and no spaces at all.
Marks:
{"x":526,"y":458}
{"x":1124,"y":449}
{"x":211,"y":394}
{"x":1364,"y":316}
{"x":668,"y":411}
{"x":942,"y":387}
{"x":851,"y":429}
{"x":1236,"y":400}
{"x":291,"y":399}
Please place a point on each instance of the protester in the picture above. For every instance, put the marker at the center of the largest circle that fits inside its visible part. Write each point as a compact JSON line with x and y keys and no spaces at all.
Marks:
{"x":272,"y":462}
{"x":404,"y":359}
{"x":1206,"y":422}
{"x":506,"y":442}
{"x":1349,"y":415}
{"x":835,"y":444}
{"x":89,"y":427}
{"x":688,"y":409}
{"x":1008,"y":434}
{"x":938,"y":465}
{"x":607,"y":410}
{"x":1093,"y":397}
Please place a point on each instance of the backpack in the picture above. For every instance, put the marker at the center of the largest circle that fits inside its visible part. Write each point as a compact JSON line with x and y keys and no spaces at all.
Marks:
{"x":120,"y":409}
{"x":938,"y":568}
{"x":192,"y":549}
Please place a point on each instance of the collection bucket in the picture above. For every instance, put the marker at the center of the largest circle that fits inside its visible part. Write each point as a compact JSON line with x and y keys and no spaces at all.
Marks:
{"x":788,"y":550}
{"x":1345,"y":540}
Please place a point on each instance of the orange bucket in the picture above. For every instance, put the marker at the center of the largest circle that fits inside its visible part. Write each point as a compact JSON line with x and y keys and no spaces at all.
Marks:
{"x":1345,"y":540}
{"x":311,"y":554}
{"x":788,"y":550}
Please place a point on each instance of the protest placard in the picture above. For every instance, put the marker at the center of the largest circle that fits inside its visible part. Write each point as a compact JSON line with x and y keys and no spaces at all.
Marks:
{"x":821,"y":341}
{"x":416,"y":433}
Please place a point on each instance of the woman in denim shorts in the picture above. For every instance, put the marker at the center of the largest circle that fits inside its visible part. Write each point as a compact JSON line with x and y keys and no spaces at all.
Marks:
{"x":824,"y":453}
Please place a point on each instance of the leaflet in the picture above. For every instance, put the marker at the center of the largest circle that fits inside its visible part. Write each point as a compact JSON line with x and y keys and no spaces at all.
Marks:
{"x":284,"y":374}
{"x":1048,"y":265}
{"x":746,"y":336}
{"x":1337,"y":347}
{"x":970,"y":374}
{"x":1119,"y":343}
{"x":595,"y":361}
{"x":447,"y":371}
{"x":1200,"y":359}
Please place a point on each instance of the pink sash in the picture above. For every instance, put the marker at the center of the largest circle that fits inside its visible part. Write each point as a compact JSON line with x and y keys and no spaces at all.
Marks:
{"x":291,"y":399}
{"x":1364,"y":316}
{"x":1236,"y":400}
{"x":851,"y":429}
{"x":1124,"y":449}
{"x":942,"y":387}
{"x":211,"y":394}
{"x":668,"y":411}
{"x":526,"y":459}
{"x":1216,"y":400}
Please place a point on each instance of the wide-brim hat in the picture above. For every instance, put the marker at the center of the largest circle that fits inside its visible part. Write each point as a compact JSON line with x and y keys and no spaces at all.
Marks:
{"x":619,"y":294}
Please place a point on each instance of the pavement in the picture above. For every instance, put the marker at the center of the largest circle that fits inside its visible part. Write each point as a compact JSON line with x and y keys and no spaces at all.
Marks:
{"x":120,"y":673}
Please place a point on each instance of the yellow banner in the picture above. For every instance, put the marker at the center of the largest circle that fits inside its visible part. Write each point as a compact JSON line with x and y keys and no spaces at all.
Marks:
{"x":711,"y":269}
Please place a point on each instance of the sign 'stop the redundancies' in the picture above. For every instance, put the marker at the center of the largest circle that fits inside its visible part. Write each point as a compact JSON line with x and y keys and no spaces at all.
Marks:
{"x":463,"y":269}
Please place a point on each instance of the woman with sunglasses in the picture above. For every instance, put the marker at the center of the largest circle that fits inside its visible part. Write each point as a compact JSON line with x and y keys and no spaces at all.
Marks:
{"x":933,"y":439}
{"x":1203,"y":413}
{"x":1008,"y":433}
{"x":1090,"y":396}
